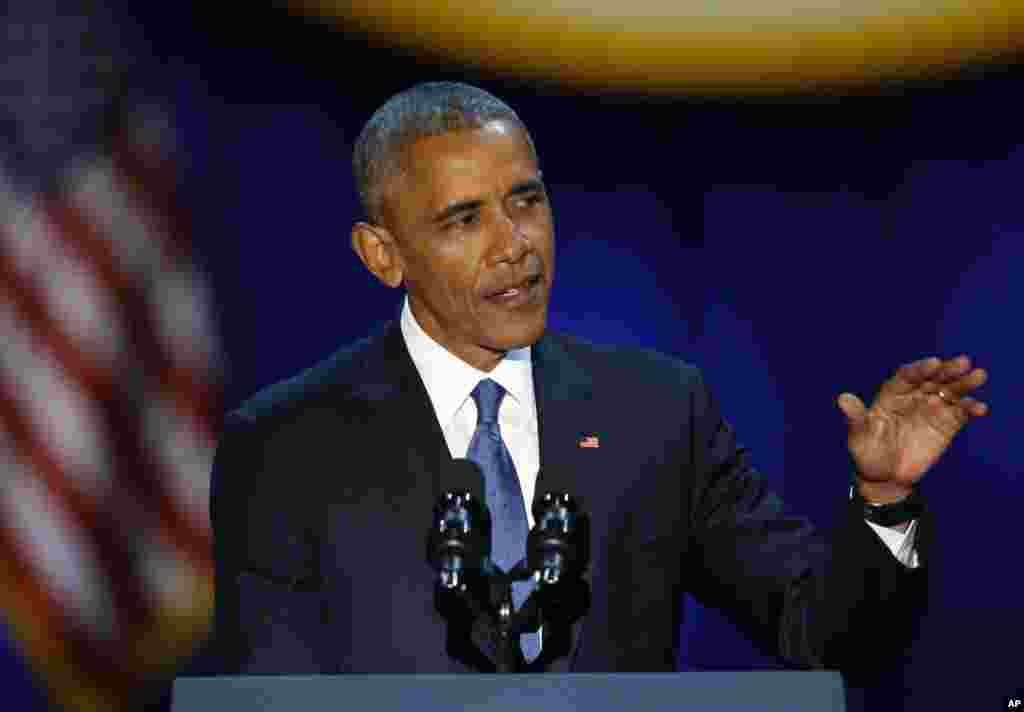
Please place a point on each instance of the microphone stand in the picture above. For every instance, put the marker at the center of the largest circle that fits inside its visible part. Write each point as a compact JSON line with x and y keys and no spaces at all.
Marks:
{"x":476,"y":598}
{"x":481,"y":610}
{"x":509,"y":657}
{"x":509,"y":622}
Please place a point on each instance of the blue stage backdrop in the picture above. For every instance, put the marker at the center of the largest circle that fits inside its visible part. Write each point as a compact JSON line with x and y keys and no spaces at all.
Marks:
{"x":792,"y":248}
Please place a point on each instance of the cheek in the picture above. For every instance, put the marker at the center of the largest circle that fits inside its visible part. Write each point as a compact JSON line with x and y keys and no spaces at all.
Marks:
{"x":454,"y":279}
{"x":544,"y":242}
{"x":541,"y":231}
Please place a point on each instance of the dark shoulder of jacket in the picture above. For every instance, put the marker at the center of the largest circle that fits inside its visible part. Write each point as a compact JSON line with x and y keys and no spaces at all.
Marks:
{"x":279,"y":401}
{"x":629,"y":366}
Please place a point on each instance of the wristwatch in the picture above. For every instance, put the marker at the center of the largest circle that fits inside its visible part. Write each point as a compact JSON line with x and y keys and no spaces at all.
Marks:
{"x":888,"y":515}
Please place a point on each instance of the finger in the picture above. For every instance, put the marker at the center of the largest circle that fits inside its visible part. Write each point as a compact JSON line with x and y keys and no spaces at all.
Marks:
{"x":923,"y":370}
{"x":910,"y":376}
{"x":973,"y":408}
{"x":966,"y":383}
{"x":952,"y":369}
{"x":853,"y":408}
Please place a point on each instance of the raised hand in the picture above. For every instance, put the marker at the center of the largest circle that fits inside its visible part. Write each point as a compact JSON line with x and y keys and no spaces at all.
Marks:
{"x":914,"y":418}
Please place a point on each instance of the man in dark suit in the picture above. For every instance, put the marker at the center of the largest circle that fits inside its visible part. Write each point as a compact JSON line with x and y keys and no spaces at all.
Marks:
{"x":323,"y":484}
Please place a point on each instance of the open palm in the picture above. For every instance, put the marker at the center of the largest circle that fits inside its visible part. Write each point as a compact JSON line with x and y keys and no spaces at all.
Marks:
{"x":914,"y":418}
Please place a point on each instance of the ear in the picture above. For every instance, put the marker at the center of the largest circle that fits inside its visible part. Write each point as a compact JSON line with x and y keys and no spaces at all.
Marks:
{"x":377,"y":250}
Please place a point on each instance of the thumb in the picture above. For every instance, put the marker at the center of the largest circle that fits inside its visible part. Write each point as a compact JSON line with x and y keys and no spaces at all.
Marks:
{"x":853,"y":408}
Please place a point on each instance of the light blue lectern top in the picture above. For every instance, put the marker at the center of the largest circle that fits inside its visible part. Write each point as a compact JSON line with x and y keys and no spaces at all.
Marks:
{"x":764,"y":691}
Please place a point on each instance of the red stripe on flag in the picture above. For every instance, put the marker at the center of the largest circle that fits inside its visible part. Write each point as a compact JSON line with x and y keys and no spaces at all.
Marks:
{"x":102,"y":526}
{"x":121,"y":424}
{"x":136,"y":469}
{"x":188,"y":388}
{"x":98,"y":527}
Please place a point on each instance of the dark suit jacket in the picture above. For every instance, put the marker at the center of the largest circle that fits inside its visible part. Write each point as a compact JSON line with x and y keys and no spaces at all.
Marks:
{"x":323,"y":488}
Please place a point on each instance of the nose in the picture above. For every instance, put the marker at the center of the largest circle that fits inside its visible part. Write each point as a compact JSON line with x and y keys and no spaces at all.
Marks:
{"x":511,"y":242}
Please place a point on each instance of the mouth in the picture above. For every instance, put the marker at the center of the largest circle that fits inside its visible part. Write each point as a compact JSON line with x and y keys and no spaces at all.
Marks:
{"x":520,"y":294}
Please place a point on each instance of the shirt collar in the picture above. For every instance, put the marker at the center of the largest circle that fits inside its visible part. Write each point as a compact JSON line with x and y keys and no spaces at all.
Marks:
{"x":450,"y":380}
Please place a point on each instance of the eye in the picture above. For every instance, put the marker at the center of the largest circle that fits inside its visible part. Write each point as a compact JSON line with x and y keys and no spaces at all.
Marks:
{"x":529,"y":200}
{"x":462,"y":221}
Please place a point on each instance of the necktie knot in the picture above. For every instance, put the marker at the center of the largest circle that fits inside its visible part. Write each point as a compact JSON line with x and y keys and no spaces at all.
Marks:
{"x":487,"y":395}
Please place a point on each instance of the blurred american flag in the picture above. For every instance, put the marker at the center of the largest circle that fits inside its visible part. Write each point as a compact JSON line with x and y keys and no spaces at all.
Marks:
{"x":109,"y":374}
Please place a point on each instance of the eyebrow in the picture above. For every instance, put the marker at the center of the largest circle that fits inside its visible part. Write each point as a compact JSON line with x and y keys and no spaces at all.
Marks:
{"x":531,"y":185}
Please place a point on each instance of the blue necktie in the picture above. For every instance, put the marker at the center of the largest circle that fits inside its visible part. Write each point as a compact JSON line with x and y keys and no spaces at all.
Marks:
{"x":509,"y":525}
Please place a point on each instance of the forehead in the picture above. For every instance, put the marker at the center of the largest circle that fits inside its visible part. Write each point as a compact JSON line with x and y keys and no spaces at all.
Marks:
{"x":465,"y":164}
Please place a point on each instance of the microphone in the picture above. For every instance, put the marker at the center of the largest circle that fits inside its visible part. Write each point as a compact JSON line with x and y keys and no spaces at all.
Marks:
{"x":558,"y":553}
{"x":473,"y":596}
{"x":459,"y":549}
{"x":557,"y":548}
{"x":459,"y":540}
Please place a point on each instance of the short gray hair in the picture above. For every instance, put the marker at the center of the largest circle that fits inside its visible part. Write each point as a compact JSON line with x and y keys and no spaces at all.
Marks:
{"x":427,"y":109}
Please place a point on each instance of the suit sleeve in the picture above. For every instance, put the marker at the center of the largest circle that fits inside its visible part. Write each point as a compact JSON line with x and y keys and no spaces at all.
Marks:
{"x":269,"y":604}
{"x":838,"y":601}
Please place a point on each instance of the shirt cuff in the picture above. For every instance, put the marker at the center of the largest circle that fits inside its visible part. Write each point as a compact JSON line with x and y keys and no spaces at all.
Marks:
{"x":901,"y":544}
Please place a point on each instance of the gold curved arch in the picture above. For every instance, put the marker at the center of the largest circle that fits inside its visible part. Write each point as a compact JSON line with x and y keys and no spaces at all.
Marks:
{"x":694,"y":45}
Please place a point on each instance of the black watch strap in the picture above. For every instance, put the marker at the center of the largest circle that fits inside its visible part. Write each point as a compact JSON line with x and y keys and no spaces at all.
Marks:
{"x":888,"y":515}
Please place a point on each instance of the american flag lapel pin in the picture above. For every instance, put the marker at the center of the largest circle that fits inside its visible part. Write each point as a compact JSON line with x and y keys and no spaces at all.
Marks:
{"x":590,"y":441}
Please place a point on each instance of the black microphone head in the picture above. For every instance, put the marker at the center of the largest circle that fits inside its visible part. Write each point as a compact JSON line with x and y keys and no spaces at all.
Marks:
{"x":558,"y":546}
{"x":561,"y":503}
{"x":459,"y":539}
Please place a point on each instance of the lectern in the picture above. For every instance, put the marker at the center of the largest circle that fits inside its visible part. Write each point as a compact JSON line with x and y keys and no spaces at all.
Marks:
{"x":763,"y":691}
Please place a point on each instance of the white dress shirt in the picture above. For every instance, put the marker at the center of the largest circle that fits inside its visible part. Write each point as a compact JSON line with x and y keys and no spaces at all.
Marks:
{"x":901,"y":544}
{"x":450,"y":382}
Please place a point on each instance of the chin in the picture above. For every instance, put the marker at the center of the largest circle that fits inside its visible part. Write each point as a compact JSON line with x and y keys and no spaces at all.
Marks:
{"x":518,"y":337}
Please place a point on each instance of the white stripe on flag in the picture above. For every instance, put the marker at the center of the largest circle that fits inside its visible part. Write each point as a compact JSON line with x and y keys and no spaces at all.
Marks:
{"x":179,"y":299}
{"x":182,"y":300}
{"x":96,"y":194}
{"x":73,"y":294}
{"x":68,"y":422}
{"x":54,"y":544}
{"x":186,"y":457}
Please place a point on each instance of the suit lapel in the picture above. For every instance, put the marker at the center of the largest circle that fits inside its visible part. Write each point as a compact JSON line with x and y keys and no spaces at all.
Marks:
{"x":563,"y":391}
{"x":402,"y":418}
{"x":564,"y":417}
